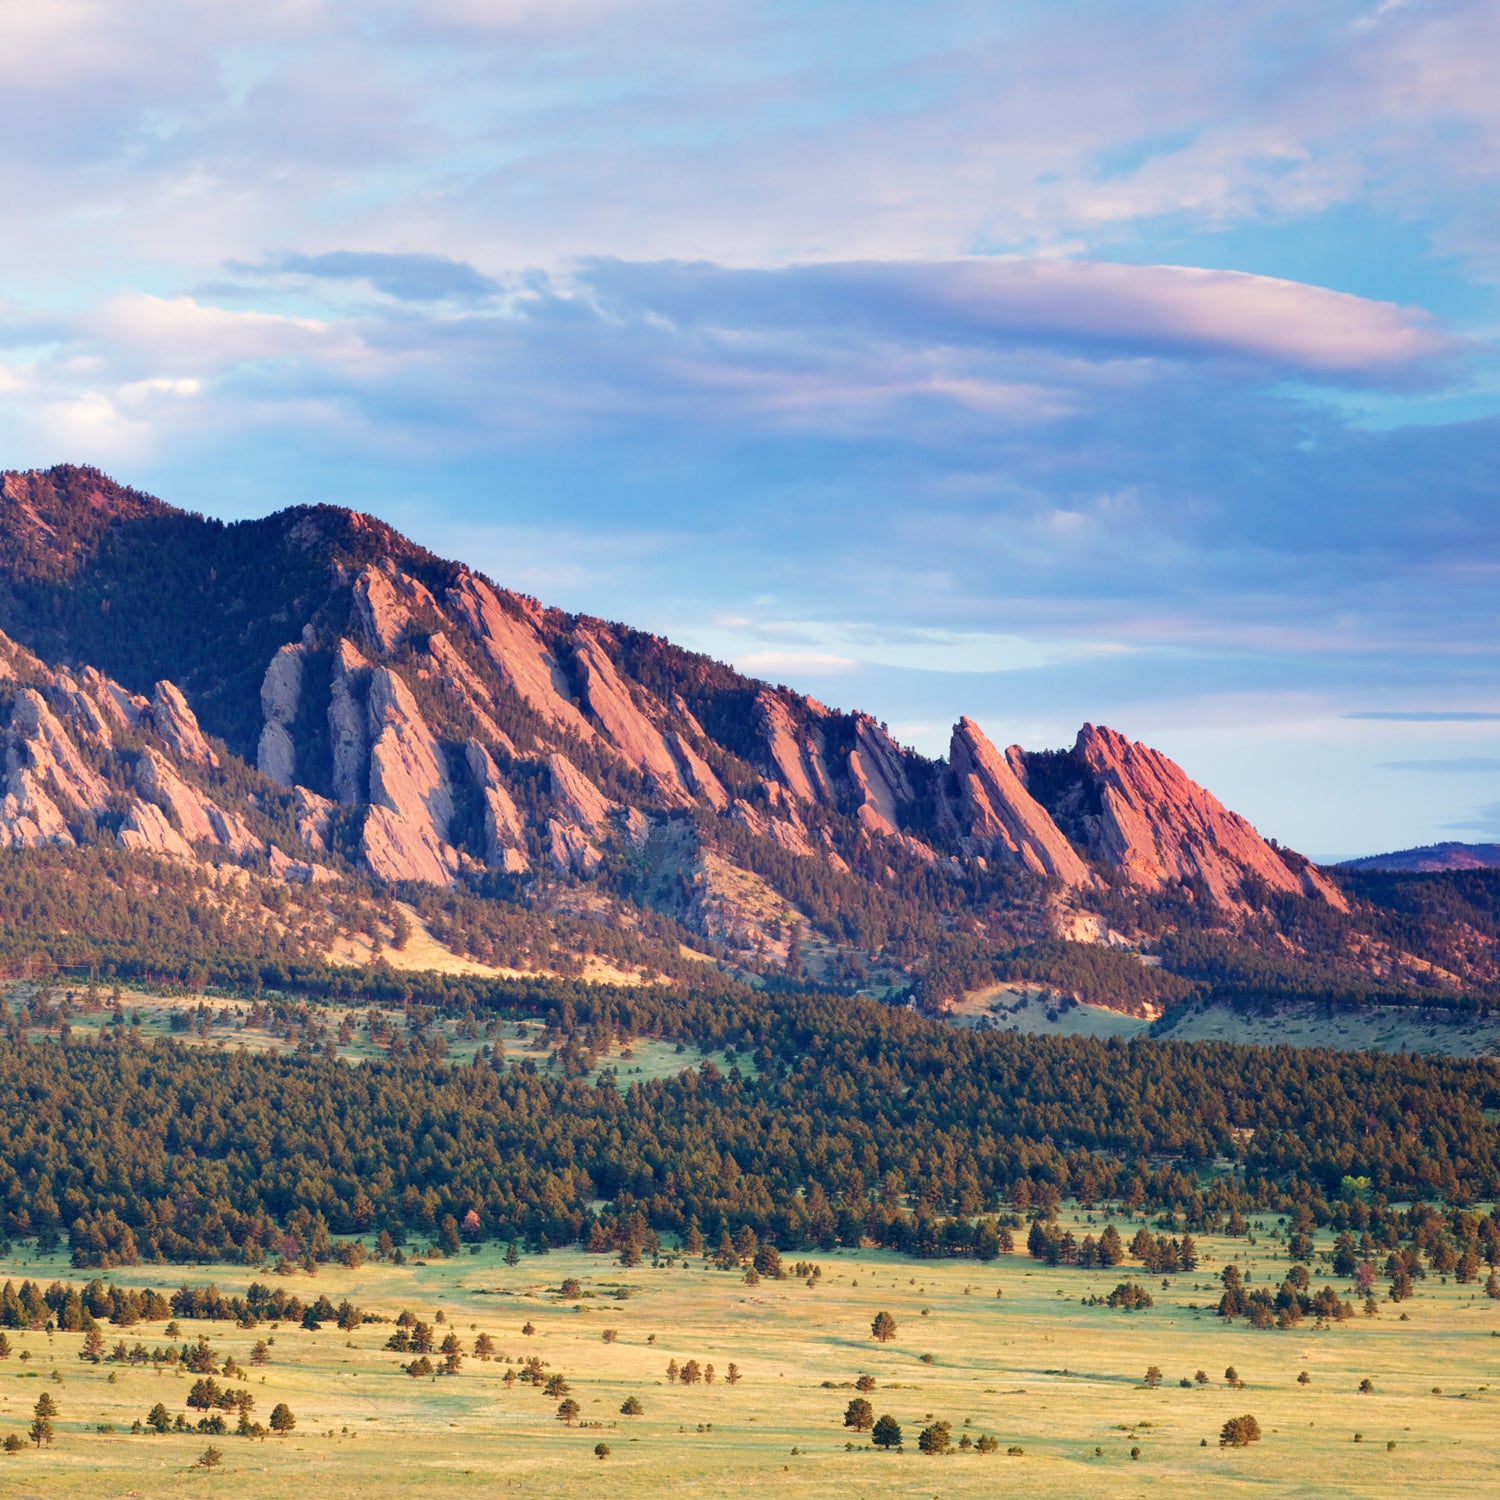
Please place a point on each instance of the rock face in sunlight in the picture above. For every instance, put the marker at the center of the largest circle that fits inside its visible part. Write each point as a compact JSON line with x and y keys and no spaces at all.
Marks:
{"x":388,"y":711}
{"x":1156,"y":825}
{"x":1000,"y":818}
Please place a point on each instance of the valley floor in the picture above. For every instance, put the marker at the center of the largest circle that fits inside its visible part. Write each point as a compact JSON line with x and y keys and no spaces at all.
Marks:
{"x":1005,"y":1348}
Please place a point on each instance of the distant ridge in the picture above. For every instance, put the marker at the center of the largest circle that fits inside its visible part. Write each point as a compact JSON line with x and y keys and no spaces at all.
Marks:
{"x":1431,"y":859}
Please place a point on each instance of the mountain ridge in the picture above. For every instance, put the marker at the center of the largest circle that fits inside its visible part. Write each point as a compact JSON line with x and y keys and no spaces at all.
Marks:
{"x":314,"y":695}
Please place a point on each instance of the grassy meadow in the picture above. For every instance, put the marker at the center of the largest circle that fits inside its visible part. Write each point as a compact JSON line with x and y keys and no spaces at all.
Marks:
{"x":1005,"y":1348}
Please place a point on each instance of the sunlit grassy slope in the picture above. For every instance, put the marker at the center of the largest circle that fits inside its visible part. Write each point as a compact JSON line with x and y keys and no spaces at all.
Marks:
{"x":1034,"y":1367}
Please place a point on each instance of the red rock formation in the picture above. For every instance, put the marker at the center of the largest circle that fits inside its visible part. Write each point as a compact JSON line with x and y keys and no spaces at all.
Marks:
{"x":504,"y":828}
{"x":877,"y":768}
{"x":638,"y":740}
{"x":411,"y":801}
{"x":518,"y":653}
{"x":1158,"y":824}
{"x":795,"y":753}
{"x":1001,"y":819}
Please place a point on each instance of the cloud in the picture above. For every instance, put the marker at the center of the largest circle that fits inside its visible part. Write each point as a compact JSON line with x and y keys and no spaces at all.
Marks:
{"x":182,"y":333}
{"x":1427,"y":716}
{"x":406,"y":277}
{"x":815,"y":663}
{"x":1154,"y":311}
{"x":1458,"y":765}
{"x":1484,"y":820}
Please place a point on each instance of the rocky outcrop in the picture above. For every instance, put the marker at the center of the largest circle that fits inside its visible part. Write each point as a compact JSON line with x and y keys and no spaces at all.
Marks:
{"x":186,"y":804}
{"x":638,"y":740}
{"x":697,"y":774}
{"x":314,"y":817}
{"x":795,"y":753}
{"x":460,"y":680}
{"x":146,"y":829}
{"x":38,"y":748}
{"x":411,"y":800}
{"x":81,"y":710}
{"x":124,"y":709}
{"x":504,"y":829}
{"x":1156,"y":824}
{"x":176,"y":723}
{"x":518,"y":653}
{"x":570,"y":849}
{"x":1000,"y":819}
{"x":199,"y":818}
{"x":347,"y":735}
{"x":877,"y":770}
{"x":382,"y":618}
{"x":298,"y":871}
{"x":280,"y":698}
{"x":577,"y":799}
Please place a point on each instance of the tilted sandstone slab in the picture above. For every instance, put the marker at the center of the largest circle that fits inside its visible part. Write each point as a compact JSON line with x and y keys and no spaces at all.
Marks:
{"x":460,"y":680}
{"x":347,"y":720}
{"x":518,"y":654}
{"x":570,"y":848}
{"x":1000,"y":818}
{"x":176,"y":723}
{"x":637,"y":739}
{"x":314,"y":817}
{"x":878,"y":772}
{"x":280,"y":698}
{"x":1157,"y":824}
{"x":696,"y":772}
{"x":85,"y":715}
{"x":577,"y":799}
{"x":146,"y":829}
{"x":382,"y":617}
{"x":37,"y":744}
{"x":188,"y":806}
{"x":795,"y":753}
{"x":124,"y":708}
{"x":411,"y":800}
{"x":504,"y":829}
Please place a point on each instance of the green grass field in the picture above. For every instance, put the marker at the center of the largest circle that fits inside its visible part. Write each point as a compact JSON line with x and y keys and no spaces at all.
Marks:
{"x":1031,"y":1366}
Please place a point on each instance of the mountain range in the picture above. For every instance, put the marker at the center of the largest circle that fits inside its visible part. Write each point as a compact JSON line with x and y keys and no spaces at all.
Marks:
{"x":313,"y":700}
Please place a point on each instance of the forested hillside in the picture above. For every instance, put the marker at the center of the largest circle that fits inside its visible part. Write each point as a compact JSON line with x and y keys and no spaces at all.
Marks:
{"x":230,"y":749}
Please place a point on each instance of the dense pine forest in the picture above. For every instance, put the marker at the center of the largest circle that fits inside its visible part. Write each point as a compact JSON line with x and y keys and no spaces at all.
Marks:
{"x":849,"y":1121}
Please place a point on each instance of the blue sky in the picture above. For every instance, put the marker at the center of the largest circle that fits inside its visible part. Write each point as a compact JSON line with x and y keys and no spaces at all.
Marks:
{"x":1124,"y":362}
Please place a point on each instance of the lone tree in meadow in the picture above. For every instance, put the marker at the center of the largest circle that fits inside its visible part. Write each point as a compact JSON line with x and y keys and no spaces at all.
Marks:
{"x":568,"y":1412}
{"x":1153,"y":1376}
{"x":859,"y":1414}
{"x":282,"y":1420}
{"x":631,"y":1407}
{"x":884,"y":1327}
{"x":41,"y":1420}
{"x":887,"y":1433}
{"x":1239,"y":1432}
